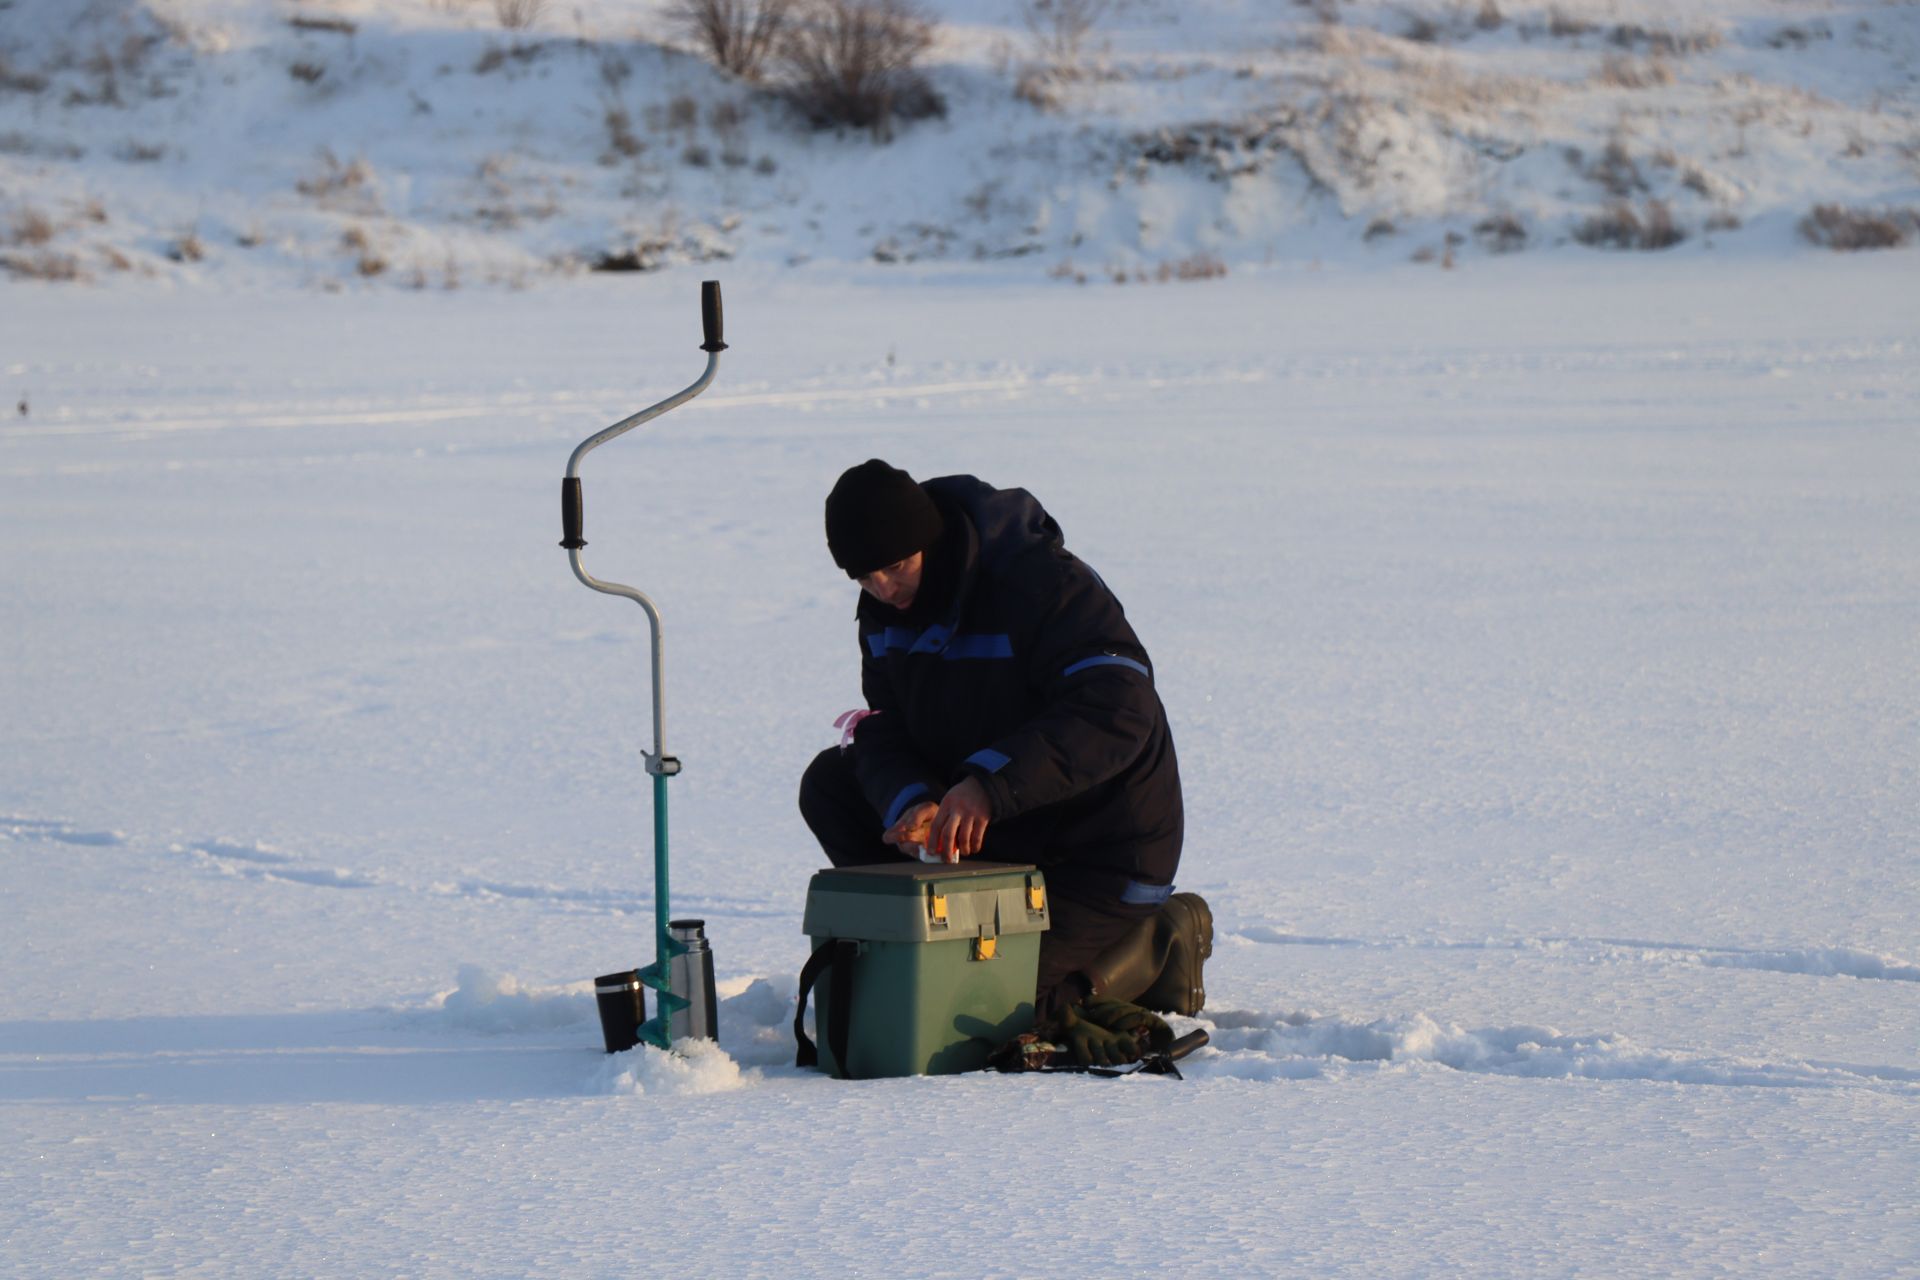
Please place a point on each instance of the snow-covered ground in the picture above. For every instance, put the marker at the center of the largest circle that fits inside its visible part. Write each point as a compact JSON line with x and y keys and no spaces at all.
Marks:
{"x":416,"y":143}
{"x":1541,"y":643}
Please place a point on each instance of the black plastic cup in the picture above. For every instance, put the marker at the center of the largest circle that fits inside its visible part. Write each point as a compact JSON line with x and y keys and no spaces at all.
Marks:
{"x":622,"y":1008}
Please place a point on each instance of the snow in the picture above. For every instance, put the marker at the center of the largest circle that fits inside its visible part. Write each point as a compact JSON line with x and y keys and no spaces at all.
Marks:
{"x":1538,"y":638}
{"x":341,"y":144}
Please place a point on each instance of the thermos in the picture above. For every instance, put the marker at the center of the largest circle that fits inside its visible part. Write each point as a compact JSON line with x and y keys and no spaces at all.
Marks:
{"x":622,"y":1009}
{"x":690,"y":976}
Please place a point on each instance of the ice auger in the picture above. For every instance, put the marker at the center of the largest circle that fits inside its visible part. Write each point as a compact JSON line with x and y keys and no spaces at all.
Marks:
{"x":655,"y":1030}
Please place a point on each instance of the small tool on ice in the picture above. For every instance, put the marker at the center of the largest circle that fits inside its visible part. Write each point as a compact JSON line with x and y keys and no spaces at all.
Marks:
{"x":683,"y":1007}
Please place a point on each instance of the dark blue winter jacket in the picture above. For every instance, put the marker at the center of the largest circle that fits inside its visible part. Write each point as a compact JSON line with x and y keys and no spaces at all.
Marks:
{"x":1022,"y":671}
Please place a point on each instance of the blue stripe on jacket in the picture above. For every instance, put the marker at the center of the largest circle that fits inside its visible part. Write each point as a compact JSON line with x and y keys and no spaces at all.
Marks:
{"x":989,"y":759}
{"x":908,"y":794}
{"x":938,"y":640}
{"x":1108,"y":660}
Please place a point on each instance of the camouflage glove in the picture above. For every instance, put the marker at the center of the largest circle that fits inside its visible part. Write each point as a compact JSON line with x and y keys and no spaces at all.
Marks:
{"x":1092,"y":1044}
{"x":1132,"y":1021}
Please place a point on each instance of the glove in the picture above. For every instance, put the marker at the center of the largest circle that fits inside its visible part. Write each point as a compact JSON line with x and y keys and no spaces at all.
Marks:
{"x":1094,"y":1045}
{"x":1131,"y":1020}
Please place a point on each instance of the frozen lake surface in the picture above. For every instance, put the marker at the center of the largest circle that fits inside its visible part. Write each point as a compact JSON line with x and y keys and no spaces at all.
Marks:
{"x":1541,"y":642}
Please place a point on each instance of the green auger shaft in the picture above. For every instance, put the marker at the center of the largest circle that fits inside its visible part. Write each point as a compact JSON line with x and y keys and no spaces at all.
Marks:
{"x":657,"y":1030}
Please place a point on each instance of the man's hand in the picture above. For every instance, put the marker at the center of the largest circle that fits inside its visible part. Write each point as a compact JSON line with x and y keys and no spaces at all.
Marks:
{"x":960,"y":827}
{"x":915,"y":827}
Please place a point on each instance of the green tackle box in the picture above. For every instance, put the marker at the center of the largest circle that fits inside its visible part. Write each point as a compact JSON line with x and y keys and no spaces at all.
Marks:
{"x":935,"y":964}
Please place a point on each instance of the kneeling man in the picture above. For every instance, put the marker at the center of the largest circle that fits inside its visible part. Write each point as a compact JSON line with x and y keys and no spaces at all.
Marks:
{"x":1011,"y":713}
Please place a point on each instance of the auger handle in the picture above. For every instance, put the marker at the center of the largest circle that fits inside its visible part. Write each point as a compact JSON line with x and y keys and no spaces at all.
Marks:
{"x":710,"y":315}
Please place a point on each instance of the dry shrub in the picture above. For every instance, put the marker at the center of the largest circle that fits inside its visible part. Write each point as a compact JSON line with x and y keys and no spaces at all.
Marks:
{"x":739,"y":35}
{"x":1560,"y":23}
{"x":1833,"y":226}
{"x":368,"y":260}
{"x":1501,"y":233}
{"x":338,"y":183}
{"x":307,"y":72}
{"x":854,"y":62}
{"x":187,"y":247}
{"x":337,"y":26}
{"x":1620,"y":71}
{"x":31,"y":227}
{"x":13,"y":81}
{"x":1620,"y":227}
{"x":1489,"y":18}
{"x":1037,"y":87}
{"x":45,"y":265}
{"x":1661,"y":41}
{"x":621,"y":140}
{"x":139,"y":152}
{"x":518,"y":15}
{"x":1198,"y":266}
{"x":1422,"y":30}
{"x":1616,"y":170}
{"x":1060,"y":27}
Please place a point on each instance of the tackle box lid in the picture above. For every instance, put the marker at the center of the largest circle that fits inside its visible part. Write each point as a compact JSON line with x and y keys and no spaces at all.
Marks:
{"x":926,"y":901}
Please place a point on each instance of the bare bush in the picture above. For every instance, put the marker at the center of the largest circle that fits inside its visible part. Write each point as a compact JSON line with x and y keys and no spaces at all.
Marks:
{"x":1561,"y":23}
{"x":368,"y":260}
{"x":854,"y":62}
{"x":187,"y":247}
{"x":739,"y":35}
{"x":621,"y":140}
{"x":1833,"y":226}
{"x":1662,"y":41}
{"x":334,"y":26}
{"x":1501,"y":233}
{"x":1037,"y":87}
{"x":60,"y":267}
{"x":1618,"y":226}
{"x":1489,"y":17}
{"x":1619,"y":71}
{"x":16,"y":81}
{"x":1616,"y":170}
{"x":336,"y":180}
{"x":31,"y":227}
{"x":307,"y":72}
{"x":1060,"y":27}
{"x":518,"y":15}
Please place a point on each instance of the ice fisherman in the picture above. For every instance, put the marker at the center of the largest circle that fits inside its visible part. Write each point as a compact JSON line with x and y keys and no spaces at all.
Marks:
{"x":1011,"y":713}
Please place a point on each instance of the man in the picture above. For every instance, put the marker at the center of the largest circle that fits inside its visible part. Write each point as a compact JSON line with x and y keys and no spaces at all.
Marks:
{"x":1011,"y":714}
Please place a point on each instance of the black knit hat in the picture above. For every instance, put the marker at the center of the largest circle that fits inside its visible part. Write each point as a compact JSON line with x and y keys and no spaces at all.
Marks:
{"x":877,"y":516}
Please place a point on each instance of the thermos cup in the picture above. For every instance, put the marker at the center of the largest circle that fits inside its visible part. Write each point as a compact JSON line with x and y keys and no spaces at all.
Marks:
{"x":622,"y":1009}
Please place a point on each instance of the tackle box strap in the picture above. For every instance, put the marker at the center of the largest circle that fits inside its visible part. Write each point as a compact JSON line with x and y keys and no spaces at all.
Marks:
{"x":838,"y":955}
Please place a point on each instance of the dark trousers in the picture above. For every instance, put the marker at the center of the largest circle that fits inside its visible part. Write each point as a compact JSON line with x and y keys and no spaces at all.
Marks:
{"x":1087,"y":914}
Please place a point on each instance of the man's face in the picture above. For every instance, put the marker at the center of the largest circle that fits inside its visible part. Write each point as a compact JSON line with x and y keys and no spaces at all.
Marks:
{"x":898,"y":583}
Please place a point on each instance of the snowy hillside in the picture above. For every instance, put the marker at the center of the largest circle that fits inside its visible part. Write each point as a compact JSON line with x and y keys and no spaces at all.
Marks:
{"x":422,"y":143}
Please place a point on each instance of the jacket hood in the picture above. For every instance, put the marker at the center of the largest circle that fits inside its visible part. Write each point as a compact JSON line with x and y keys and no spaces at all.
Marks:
{"x":1008,"y":522}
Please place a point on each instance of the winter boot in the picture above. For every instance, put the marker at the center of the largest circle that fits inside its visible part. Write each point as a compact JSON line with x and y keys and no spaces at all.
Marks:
{"x":1180,"y":988}
{"x":1157,"y":964}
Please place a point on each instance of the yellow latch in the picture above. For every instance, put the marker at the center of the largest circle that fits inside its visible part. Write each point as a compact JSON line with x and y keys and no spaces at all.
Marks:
{"x":1036,"y":898}
{"x":983,"y":948}
{"x":937,"y":907}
